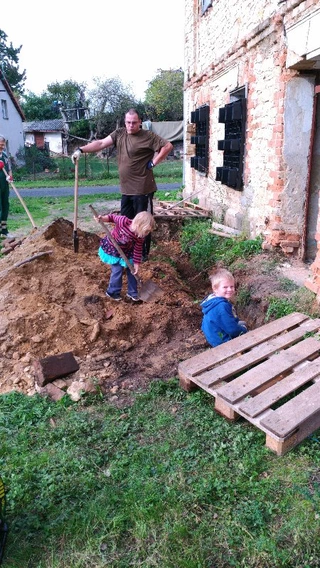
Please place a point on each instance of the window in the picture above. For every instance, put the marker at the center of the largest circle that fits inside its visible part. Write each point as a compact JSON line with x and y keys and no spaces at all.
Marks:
{"x":4,"y":109}
{"x":200,"y":117}
{"x":233,"y":115}
{"x":205,"y":4}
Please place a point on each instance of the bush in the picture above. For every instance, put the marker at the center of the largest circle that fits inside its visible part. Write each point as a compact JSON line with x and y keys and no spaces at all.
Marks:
{"x":81,"y":128}
{"x":35,"y":159}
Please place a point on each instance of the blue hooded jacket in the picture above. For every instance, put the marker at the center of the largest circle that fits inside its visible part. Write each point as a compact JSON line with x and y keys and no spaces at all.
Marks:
{"x":219,"y":323}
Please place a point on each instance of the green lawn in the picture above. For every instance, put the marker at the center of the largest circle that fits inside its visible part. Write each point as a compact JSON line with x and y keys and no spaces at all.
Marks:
{"x":45,"y":209}
{"x":92,"y":171}
{"x":165,"y":483}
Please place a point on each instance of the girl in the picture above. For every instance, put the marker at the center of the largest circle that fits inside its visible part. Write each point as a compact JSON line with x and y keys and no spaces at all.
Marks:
{"x":130,"y":235}
{"x":4,"y":188}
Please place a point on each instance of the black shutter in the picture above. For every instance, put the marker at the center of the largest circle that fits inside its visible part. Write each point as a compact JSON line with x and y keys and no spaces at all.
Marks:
{"x":233,"y":115}
{"x":200,"y":117}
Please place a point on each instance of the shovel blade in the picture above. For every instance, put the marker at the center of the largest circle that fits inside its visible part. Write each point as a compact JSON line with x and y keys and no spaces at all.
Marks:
{"x":149,"y":291}
{"x":75,"y":242}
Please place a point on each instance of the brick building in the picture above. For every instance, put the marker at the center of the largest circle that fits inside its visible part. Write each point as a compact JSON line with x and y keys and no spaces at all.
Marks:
{"x":252,"y":119}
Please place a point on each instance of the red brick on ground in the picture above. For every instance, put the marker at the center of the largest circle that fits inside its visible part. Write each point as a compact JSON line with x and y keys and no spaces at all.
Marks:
{"x":54,"y":367}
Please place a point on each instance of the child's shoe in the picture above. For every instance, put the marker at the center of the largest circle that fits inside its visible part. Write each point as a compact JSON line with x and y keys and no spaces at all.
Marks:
{"x":133,"y":297}
{"x":115,"y":297}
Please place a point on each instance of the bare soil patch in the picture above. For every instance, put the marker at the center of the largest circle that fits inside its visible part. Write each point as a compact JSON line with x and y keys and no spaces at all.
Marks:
{"x":56,"y":304}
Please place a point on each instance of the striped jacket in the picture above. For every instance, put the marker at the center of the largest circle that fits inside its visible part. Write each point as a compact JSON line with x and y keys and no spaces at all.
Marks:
{"x":126,"y":239}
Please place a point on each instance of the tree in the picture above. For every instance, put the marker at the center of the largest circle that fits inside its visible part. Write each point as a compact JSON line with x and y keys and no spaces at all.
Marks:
{"x":164,"y":96}
{"x":46,"y":106}
{"x":39,"y":107}
{"x":69,"y":94}
{"x":109,"y":101}
{"x":9,"y":57}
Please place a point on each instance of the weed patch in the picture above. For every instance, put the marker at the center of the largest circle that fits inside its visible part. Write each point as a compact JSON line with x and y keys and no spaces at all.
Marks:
{"x":206,"y":249}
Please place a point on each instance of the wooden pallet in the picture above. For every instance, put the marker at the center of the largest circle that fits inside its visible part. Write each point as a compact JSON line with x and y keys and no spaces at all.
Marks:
{"x":270,"y":376}
{"x":168,"y":210}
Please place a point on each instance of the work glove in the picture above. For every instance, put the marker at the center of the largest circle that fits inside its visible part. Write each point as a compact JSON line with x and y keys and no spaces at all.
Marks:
{"x":150,"y":165}
{"x":76,"y":155}
{"x":9,"y":178}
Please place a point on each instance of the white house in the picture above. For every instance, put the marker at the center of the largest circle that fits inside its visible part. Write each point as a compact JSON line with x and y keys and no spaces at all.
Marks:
{"x":48,"y":133}
{"x":11,"y":118}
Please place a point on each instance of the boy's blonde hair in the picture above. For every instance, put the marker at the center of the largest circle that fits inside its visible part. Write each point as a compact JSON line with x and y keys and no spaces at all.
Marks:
{"x":218,"y":275}
{"x":143,"y":223}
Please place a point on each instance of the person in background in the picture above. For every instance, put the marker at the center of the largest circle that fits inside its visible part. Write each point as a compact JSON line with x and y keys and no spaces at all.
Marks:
{"x":129,"y":235}
{"x":220,"y":322}
{"x":138,"y":153}
{"x":4,"y":188}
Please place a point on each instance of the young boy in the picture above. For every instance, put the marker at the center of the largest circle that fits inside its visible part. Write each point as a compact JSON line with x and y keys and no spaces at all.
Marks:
{"x":220,"y":322}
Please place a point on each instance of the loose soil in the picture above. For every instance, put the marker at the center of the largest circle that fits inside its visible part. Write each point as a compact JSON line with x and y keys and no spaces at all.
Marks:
{"x":56,"y":303}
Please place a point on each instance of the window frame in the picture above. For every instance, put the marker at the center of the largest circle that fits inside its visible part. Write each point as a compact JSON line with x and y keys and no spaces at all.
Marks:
{"x":205,"y":4}
{"x":4,"y":109}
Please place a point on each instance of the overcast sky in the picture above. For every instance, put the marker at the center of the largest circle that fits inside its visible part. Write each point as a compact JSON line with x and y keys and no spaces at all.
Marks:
{"x":66,"y":39}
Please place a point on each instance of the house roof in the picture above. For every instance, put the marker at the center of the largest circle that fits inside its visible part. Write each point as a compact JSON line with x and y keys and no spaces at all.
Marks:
{"x":54,"y":125}
{"x":11,"y":95}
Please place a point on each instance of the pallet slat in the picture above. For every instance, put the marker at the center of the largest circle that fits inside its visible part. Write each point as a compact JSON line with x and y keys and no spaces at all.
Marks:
{"x":271,"y":369}
{"x":289,"y":416}
{"x":289,"y":384}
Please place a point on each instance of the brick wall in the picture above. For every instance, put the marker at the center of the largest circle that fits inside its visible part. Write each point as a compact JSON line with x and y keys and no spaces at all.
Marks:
{"x":244,"y":44}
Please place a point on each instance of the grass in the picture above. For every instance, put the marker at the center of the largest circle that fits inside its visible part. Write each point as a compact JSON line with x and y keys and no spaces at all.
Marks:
{"x":45,"y":209}
{"x":300,"y":300}
{"x":92,"y":171}
{"x":165,"y":482}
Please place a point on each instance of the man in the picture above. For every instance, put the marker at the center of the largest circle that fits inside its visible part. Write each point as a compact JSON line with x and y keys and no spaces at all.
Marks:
{"x":138,"y":152}
{"x":4,"y":188}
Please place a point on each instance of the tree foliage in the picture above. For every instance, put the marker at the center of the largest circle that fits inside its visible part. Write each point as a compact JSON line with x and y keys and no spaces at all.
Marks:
{"x":164,"y":96}
{"x":69,"y":94}
{"x":9,"y":58}
{"x":81,"y":129}
{"x":109,"y":101}
{"x":46,"y":106}
{"x":39,"y":107}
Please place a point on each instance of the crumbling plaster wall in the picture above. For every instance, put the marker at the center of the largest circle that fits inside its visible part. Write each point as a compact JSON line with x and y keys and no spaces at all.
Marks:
{"x":298,"y":107}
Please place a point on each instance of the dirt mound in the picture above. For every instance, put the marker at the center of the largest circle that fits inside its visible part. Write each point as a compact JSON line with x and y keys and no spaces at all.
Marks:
{"x":55,"y":303}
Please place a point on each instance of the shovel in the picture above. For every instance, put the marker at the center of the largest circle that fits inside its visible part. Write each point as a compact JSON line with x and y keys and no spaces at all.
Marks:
{"x":18,"y":195}
{"x":148,"y":290}
{"x":75,"y":221}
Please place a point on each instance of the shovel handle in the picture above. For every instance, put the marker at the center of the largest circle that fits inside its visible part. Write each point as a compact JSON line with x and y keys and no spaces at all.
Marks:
{"x":114,"y":242}
{"x":20,"y":199}
{"x":76,"y":191}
